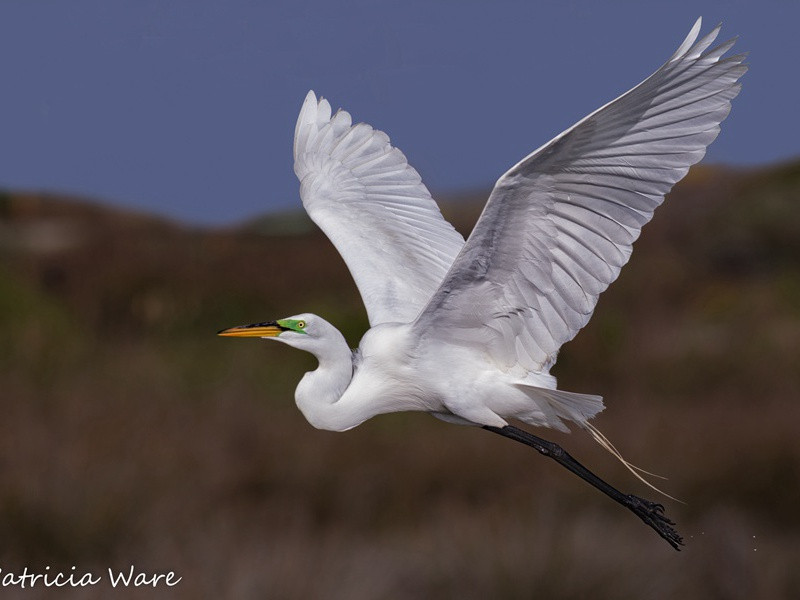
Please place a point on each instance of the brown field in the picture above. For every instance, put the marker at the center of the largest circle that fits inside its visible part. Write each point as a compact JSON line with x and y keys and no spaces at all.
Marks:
{"x":131,"y":435}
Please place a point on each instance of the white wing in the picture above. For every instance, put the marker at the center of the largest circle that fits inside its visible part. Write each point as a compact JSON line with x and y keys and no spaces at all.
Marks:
{"x":559,"y":225}
{"x":375,"y":209}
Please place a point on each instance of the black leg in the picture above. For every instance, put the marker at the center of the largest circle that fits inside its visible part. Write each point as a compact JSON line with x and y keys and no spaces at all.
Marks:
{"x":649,"y":512}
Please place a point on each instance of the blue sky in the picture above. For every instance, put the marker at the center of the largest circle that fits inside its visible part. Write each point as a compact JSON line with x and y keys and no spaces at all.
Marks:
{"x":187,"y":108}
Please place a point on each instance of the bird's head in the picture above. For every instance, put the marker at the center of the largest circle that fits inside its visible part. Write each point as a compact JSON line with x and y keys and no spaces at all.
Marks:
{"x":302,"y":331}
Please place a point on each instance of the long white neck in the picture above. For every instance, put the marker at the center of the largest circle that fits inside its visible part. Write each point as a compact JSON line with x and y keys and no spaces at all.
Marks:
{"x":318,"y":391}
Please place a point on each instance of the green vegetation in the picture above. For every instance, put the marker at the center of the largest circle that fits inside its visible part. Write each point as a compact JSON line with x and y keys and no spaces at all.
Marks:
{"x":131,"y":434}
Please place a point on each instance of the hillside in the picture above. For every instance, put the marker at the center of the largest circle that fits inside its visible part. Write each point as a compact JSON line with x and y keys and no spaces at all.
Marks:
{"x":131,"y":434}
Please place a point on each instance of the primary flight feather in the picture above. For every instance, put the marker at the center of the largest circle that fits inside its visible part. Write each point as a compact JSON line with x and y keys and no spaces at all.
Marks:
{"x":468,"y":331}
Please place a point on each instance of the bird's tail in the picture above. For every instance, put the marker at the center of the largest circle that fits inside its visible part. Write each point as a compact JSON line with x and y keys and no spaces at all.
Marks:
{"x":579,"y":408}
{"x":601,"y":439}
{"x":554,"y":406}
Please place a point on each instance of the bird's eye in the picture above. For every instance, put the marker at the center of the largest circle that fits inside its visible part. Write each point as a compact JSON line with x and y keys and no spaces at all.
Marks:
{"x":301,"y":324}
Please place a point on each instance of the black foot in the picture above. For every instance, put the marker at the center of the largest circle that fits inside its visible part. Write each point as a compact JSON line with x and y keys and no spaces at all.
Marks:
{"x":649,"y":512}
{"x":652,"y":513}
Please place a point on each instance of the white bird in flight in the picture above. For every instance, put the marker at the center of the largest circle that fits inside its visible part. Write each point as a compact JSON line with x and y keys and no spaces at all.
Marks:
{"x":468,"y":331}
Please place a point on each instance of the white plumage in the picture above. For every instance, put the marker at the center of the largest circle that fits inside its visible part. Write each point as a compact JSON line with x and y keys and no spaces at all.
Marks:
{"x":468,"y":331}
{"x":375,"y":209}
{"x":560,"y":224}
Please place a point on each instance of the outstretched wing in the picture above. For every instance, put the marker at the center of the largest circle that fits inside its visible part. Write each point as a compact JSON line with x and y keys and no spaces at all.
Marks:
{"x":559,"y":225}
{"x":375,"y":209}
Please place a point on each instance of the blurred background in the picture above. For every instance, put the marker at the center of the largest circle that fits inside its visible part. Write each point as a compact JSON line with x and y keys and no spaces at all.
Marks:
{"x":148,"y":201}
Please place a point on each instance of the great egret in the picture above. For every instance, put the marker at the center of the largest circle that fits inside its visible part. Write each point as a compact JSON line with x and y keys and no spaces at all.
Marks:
{"x":469,"y":331}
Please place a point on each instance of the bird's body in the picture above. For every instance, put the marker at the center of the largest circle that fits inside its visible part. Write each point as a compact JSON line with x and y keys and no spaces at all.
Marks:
{"x":468,"y":330}
{"x":393,"y":370}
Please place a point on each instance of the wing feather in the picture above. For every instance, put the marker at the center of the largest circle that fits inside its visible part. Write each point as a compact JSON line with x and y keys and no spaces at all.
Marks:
{"x":373,"y":206}
{"x":560,"y":224}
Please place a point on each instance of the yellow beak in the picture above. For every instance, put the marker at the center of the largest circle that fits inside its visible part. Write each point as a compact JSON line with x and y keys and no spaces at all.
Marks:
{"x":269,"y":329}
